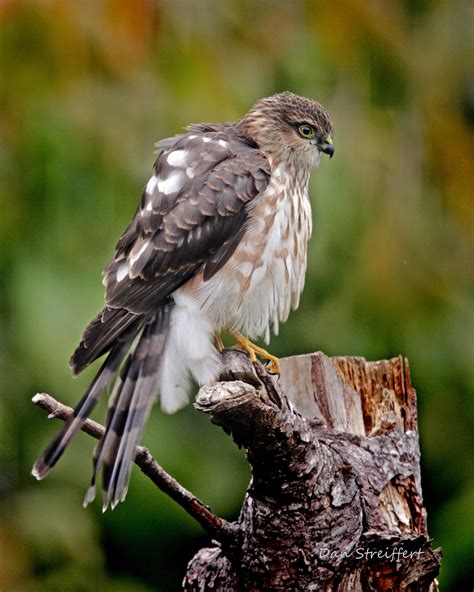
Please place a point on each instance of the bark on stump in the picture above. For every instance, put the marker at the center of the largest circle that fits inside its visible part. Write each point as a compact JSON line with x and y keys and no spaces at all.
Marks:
{"x":334,"y":503}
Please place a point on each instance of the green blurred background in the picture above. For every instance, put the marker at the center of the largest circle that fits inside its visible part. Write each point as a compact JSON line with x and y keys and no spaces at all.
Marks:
{"x":86,"y":87}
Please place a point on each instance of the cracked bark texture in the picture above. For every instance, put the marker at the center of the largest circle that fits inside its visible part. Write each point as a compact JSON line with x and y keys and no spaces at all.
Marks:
{"x":334,"y":503}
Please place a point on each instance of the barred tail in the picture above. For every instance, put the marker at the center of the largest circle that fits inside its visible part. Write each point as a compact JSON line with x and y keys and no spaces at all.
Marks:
{"x":102,"y":381}
{"x":129,"y":407}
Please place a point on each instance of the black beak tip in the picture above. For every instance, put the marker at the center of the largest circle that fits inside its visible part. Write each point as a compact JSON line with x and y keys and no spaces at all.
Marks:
{"x":329,"y":150}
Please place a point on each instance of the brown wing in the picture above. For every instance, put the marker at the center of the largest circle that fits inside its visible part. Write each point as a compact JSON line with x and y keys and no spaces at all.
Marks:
{"x":192,"y":215}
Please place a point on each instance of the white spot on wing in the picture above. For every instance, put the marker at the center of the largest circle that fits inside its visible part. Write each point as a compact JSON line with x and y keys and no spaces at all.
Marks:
{"x":151,"y":185}
{"x":223,"y":143}
{"x":135,"y":256}
{"x":172,"y":184}
{"x":190,"y":172}
{"x":122,"y":272}
{"x":177,"y":157}
{"x":206,"y":140}
{"x":149,"y":206}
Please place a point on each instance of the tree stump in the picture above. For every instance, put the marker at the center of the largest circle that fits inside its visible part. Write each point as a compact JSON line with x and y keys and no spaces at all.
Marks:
{"x":334,"y":503}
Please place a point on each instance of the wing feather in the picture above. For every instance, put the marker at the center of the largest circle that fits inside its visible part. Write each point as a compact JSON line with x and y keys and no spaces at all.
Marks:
{"x":192,"y":215}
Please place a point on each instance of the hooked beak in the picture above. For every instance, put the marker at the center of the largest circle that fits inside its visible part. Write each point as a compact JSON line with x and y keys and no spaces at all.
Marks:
{"x":326,"y":145}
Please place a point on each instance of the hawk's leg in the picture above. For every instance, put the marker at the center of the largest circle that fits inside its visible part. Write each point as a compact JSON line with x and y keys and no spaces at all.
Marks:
{"x":253,"y":350}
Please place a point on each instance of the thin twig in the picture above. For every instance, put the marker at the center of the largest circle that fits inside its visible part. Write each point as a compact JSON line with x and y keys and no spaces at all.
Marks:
{"x":217,"y":527}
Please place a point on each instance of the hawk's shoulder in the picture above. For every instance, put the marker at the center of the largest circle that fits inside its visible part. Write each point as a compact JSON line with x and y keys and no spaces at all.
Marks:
{"x":192,"y":215}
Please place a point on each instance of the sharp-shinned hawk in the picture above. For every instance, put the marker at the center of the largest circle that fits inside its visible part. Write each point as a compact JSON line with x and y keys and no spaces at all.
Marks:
{"x":219,"y":241}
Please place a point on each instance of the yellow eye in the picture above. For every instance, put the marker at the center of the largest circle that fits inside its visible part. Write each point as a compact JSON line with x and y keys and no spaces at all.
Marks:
{"x":306,"y":131}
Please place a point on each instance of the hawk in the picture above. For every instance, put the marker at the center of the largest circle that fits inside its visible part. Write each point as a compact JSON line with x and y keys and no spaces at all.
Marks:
{"x":218,"y":242}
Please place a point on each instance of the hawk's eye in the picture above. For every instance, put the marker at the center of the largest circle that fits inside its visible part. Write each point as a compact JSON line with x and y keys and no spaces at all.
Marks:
{"x":306,"y":131}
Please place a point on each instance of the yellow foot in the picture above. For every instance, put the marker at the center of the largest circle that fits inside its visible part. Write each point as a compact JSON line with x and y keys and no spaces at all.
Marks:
{"x":253,"y":350}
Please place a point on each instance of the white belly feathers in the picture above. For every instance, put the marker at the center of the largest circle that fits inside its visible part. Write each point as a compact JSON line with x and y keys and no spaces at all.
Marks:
{"x":264,"y":277}
{"x":253,"y":292}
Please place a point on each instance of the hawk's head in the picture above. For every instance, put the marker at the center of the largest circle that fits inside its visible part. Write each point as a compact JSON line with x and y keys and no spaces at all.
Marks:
{"x":290,"y":127}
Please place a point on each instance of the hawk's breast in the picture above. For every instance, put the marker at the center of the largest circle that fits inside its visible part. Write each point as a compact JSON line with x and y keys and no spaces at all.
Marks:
{"x":264,"y":278}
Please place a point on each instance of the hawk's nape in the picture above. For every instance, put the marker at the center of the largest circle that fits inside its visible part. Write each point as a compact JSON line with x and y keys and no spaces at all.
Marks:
{"x":219,"y":241}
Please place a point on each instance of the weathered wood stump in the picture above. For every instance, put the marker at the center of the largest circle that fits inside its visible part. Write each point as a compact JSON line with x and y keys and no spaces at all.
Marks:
{"x":334,"y":503}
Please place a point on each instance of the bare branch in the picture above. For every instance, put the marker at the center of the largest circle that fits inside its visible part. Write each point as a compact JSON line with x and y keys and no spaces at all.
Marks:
{"x":215,"y":526}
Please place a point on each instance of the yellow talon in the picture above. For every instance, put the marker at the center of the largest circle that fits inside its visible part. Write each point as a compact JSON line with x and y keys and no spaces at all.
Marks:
{"x":243,"y":343}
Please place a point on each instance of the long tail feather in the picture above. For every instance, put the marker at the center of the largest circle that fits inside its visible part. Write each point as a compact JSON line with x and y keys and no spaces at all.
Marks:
{"x":101,"y":382}
{"x":115,"y":423}
{"x":129,"y":407}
